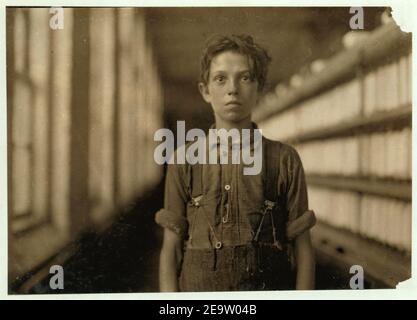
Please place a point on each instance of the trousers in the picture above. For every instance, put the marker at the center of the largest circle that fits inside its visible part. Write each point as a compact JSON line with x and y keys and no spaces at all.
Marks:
{"x":240,"y":268}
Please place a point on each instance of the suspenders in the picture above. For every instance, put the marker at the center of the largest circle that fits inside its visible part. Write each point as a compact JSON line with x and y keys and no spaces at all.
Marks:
{"x":273,"y":206}
{"x":271,"y":170}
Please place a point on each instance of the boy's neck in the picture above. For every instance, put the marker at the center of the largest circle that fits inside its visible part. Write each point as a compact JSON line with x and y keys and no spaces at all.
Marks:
{"x":244,"y":124}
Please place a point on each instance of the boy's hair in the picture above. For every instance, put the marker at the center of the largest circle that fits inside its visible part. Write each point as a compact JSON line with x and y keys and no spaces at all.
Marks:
{"x":242,"y":44}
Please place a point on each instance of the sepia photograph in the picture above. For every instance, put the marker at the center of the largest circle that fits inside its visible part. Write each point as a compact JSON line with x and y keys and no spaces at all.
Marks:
{"x":207,"y":149}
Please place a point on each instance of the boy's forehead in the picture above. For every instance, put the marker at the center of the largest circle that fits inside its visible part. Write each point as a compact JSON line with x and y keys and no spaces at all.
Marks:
{"x":230,"y":59}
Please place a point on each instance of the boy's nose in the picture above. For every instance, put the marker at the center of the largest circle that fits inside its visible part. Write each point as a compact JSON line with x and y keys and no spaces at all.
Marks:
{"x":233,"y":87}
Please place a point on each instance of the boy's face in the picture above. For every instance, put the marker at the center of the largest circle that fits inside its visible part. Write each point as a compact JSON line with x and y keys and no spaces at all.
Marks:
{"x":230,"y":90}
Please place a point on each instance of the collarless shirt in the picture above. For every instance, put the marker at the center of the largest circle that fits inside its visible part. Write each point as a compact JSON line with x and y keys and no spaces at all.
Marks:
{"x":228,"y":199}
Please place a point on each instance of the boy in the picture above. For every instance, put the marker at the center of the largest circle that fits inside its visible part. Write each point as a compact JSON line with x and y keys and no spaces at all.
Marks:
{"x":220,"y":230}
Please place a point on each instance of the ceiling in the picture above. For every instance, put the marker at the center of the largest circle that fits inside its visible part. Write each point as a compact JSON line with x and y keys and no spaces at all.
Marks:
{"x":293,"y":36}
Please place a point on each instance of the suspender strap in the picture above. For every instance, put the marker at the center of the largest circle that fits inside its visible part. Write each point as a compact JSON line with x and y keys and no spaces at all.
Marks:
{"x":271,"y":172}
{"x":197,"y":180}
{"x":272,"y":202}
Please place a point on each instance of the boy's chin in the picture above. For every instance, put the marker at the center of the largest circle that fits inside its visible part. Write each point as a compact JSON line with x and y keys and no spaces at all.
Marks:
{"x":233,"y":117}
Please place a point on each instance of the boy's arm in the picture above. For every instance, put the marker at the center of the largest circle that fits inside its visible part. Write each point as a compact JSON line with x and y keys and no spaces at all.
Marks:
{"x":173,"y":220}
{"x":297,"y":204}
{"x":303,"y":223}
{"x":170,"y":259}
{"x":304,"y":255}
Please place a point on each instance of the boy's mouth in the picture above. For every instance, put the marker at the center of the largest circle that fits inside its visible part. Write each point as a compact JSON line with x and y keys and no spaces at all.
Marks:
{"x":234,"y":102}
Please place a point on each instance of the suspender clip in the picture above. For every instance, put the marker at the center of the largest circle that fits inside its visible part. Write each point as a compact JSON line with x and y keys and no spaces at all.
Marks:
{"x":196,"y":201}
{"x":269,"y":205}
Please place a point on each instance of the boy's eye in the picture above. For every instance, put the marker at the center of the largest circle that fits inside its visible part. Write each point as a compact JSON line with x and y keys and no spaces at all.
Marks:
{"x":246,"y":78}
{"x":220,"y":79}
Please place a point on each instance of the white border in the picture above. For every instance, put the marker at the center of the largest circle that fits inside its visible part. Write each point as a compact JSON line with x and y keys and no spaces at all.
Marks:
{"x":403,"y":12}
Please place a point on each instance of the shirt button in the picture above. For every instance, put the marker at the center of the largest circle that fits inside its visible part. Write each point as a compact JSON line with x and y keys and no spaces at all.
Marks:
{"x":227,"y":187}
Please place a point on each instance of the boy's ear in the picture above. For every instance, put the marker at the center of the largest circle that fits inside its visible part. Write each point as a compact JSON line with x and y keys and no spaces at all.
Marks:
{"x":204,"y":92}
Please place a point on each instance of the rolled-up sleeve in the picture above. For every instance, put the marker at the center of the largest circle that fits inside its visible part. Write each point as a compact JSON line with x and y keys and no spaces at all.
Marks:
{"x":173,"y":215}
{"x":296,"y":188}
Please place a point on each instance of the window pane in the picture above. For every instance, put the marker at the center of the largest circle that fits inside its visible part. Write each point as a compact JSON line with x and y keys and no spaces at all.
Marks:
{"x":20,"y":40}
{"x":21,"y":181}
